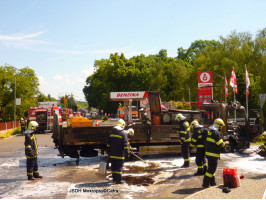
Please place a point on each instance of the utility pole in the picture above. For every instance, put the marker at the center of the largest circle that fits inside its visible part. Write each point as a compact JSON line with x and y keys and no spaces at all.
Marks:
{"x":188,"y":94}
{"x":15,"y":103}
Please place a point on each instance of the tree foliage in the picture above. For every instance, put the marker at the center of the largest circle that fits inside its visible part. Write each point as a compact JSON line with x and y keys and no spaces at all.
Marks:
{"x":71,"y":102}
{"x":174,"y":76}
{"x":26,"y":86}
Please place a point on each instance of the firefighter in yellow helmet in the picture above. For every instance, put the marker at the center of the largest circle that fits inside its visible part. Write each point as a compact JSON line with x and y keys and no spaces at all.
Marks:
{"x":262,"y":148}
{"x":117,"y":146}
{"x":214,"y":143}
{"x":184,"y":134}
{"x":198,"y":140}
{"x":31,"y":151}
{"x":22,"y":125}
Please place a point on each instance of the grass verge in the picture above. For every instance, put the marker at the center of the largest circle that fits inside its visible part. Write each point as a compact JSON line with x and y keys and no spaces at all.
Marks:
{"x":10,"y":133}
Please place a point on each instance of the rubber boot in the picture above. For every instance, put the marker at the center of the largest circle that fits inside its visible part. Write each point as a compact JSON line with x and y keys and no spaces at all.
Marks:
{"x":206,"y":182}
{"x":30,"y":178}
{"x":199,"y":172}
{"x":212,"y":181}
{"x":38,"y":176}
{"x":186,"y":164}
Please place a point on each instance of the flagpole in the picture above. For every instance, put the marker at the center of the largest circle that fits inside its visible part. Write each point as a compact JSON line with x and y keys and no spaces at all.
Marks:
{"x":224,"y":89}
{"x":246,"y":88}
{"x":234,"y":90}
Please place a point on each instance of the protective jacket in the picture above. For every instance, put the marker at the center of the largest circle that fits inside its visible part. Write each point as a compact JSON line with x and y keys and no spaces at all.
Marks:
{"x":184,"y":131}
{"x":262,"y":151}
{"x":31,"y":148}
{"x":198,"y":137}
{"x":214,"y":143}
{"x":23,"y":123}
{"x":118,"y":143}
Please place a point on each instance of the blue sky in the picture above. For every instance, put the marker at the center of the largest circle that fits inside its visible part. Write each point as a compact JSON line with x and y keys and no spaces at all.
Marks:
{"x":61,"y":39}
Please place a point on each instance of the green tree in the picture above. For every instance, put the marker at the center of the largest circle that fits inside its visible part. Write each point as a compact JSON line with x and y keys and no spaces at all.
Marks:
{"x":189,"y":54}
{"x":71,"y":102}
{"x":26,"y":86}
{"x":236,"y":50}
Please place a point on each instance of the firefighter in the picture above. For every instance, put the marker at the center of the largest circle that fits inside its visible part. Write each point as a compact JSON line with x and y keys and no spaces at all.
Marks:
{"x":118,"y":145}
{"x":130,"y":133}
{"x":198,"y":139}
{"x":184,"y":134}
{"x":214,"y":143}
{"x":31,"y":151}
{"x":262,"y":148}
{"x":22,"y":126}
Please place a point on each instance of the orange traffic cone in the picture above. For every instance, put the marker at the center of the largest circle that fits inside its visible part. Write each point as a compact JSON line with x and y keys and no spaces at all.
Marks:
{"x":96,"y":123}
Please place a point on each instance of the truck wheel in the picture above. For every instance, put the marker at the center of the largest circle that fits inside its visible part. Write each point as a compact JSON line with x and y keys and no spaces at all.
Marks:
{"x":233,"y":145}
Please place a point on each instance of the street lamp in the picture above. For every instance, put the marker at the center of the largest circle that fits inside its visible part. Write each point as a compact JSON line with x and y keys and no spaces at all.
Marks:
{"x":15,"y":103}
{"x":15,"y":98}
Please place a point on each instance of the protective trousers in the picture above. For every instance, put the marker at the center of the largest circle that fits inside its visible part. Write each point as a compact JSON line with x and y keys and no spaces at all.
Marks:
{"x":22,"y":130}
{"x":201,"y":160}
{"x":116,"y":168}
{"x":32,"y":167}
{"x":209,"y":177}
{"x":185,"y":153}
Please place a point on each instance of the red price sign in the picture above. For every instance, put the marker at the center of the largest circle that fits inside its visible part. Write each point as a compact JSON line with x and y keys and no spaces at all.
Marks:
{"x":205,"y":90}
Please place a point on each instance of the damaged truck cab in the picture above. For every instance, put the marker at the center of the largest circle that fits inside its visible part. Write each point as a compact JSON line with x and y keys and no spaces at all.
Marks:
{"x":240,"y":129}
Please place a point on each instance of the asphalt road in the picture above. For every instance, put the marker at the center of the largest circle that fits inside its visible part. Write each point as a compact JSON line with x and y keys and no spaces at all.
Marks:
{"x":63,"y":179}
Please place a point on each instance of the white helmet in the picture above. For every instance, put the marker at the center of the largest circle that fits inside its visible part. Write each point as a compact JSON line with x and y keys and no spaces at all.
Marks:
{"x":130,"y":132}
{"x":33,"y":125}
{"x":121,"y":123}
{"x":180,"y":117}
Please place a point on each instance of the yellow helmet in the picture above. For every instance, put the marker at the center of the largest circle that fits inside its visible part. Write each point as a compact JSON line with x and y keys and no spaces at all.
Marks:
{"x":264,"y":135}
{"x":121,"y":123}
{"x":218,"y":124}
{"x":179,"y":117}
{"x":195,"y":124}
{"x":130,"y":132}
{"x":33,"y":125}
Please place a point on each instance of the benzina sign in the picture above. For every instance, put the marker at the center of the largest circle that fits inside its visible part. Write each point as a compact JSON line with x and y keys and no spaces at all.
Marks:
{"x":205,"y":89}
{"x":128,"y":95}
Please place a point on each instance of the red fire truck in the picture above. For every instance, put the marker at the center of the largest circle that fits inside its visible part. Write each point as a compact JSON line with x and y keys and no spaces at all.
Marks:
{"x":43,"y":114}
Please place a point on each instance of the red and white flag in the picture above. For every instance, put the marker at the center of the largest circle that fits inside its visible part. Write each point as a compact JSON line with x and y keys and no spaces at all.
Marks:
{"x":226,"y":86}
{"x":247,"y":83}
{"x":233,"y":81}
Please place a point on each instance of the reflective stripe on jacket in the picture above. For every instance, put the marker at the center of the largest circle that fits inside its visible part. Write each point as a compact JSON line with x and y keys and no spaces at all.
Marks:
{"x":198,"y":137}
{"x":23,"y":123}
{"x":214,"y":142}
{"x":31,"y":147}
{"x":184,"y":131}
{"x":118,"y":143}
